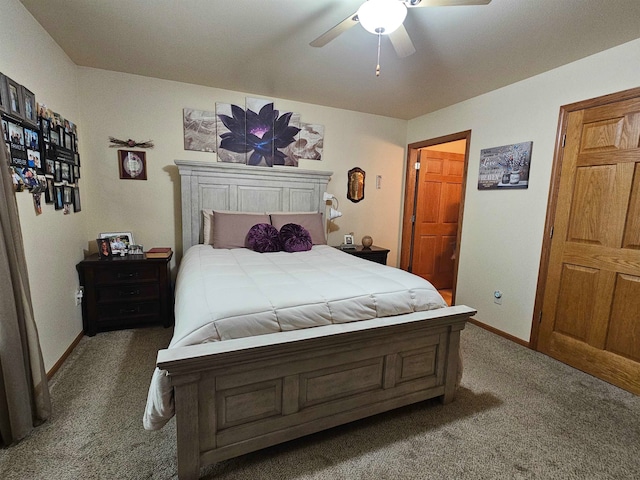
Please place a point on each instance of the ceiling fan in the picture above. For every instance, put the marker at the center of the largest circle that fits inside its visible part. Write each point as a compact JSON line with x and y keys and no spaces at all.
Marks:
{"x":385,"y":17}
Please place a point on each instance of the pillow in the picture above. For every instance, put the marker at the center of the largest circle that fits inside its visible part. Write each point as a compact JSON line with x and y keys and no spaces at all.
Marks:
{"x":207,"y":227}
{"x":230,"y":228}
{"x":312,"y":221}
{"x":295,"y":238}
{"x":263,"y":237}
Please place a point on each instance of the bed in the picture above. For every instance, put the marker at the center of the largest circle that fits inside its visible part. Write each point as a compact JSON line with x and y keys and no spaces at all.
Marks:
{"x":272,"y":379}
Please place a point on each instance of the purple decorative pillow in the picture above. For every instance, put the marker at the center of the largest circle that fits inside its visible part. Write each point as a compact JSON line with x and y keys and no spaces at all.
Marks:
{"x":295,"y":238}
{"x":263,"y":238}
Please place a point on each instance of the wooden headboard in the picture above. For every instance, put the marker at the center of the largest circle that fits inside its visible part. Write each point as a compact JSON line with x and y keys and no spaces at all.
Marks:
{"x":242,"y":188}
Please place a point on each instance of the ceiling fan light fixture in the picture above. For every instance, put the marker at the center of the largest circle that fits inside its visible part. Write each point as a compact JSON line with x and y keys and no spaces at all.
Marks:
{"x":382,"y":16}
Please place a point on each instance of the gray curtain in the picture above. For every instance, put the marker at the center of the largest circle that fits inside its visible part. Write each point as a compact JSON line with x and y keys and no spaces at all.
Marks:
{"x":24,"y":392}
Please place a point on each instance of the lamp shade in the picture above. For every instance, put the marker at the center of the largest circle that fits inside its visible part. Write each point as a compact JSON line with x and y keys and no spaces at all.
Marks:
{"x":382,"y":16}
{"x":333,"y":213}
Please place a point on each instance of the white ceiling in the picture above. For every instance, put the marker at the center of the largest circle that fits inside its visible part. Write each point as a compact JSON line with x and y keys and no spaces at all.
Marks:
{"x":261,"y":47}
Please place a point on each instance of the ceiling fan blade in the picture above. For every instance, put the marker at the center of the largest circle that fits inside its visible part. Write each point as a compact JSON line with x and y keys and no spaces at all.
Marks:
{"x":332,"y":33}
{"x":401,"y":42}
{"x":444,"y":3}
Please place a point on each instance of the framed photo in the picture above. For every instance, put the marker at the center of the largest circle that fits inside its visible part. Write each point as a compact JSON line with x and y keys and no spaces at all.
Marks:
{"x":67,"y":195}
{"x":49,"y":193}
{"x":348,"y":240}
{"x":54,"y":137}
{"x":44,"y":126}
{"x":16,"y":135}
{"x":132,"y":165}
{"x":49,"y":166}
{"x":4,"y":94}
{"x":76,"y":199}
{"x":65,"y":172}
{"x":119,"y":241}
{"x":30,"y":107}
{"x":104,"y":248}
{"x":68,"y":141}
{"x":16,"y":105}
{"x":57,"y":201}
{"x":57,"y":171}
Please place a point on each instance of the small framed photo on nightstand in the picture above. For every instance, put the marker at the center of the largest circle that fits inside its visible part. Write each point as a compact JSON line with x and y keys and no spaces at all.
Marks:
{"x":348,"y":244}
{"x":104,"y":248}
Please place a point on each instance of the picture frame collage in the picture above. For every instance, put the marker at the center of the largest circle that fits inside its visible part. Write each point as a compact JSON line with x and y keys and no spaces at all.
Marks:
{"x":42,"y":148}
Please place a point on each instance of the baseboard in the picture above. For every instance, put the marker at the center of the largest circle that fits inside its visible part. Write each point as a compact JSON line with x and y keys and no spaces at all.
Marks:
{"x":500,"y":333}
{"x":64,"y":356}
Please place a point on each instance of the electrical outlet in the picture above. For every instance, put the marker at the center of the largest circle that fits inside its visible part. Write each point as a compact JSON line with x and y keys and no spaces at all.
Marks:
{"x":497,"y":297}
{"x":79,"y":295}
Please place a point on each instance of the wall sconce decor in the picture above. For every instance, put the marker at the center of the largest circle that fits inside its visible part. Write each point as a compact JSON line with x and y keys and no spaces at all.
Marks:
{"x":355,"y":184}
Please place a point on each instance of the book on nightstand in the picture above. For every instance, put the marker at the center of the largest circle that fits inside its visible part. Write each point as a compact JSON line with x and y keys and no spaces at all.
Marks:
{"x":159,"y":252}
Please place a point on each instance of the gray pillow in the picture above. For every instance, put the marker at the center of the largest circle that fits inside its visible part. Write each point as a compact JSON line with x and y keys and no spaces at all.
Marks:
{"x":230,"y":228}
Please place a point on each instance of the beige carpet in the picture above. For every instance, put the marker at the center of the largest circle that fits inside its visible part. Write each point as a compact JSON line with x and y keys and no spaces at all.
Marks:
{"x":518,"y":415}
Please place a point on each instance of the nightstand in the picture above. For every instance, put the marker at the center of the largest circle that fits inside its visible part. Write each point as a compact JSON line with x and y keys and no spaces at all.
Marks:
{"x":373,"y":253}
{"x":125,"y":292}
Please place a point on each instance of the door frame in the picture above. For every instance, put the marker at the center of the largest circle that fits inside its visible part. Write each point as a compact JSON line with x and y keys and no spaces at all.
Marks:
{"x":552,"y":201}
{"x":410,"y":194}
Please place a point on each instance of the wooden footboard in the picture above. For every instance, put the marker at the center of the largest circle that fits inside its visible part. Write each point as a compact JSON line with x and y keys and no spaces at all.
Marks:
{"x":242,"y":395}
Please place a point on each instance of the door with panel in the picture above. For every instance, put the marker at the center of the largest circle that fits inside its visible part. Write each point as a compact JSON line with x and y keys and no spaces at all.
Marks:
{"x":436,"y":217}
{"x":591,"y":304}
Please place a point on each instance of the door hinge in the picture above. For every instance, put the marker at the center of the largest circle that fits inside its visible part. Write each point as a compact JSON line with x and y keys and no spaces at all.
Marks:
{"x":413,"y":219}
{"x":540,"y":317}
{"x":564,"y":139}
{"x":416,"y":165}
{"x":551,"y":232}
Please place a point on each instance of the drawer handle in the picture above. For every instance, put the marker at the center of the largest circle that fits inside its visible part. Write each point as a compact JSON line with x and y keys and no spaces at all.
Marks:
{"x":129,"y":293}
{"x":124,"y":311}
{"x":128,"y":275}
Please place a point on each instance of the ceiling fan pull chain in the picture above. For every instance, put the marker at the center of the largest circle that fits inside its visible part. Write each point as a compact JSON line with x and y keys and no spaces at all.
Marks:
{"x":378,"y":65}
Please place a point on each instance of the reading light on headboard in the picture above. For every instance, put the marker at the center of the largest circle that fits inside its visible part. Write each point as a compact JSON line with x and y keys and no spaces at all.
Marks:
{"x":333,"y":212}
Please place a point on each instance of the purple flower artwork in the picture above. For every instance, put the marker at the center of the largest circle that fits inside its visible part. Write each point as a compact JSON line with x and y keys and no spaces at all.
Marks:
{"x":238,"y":122}
{"x":258,"y":136}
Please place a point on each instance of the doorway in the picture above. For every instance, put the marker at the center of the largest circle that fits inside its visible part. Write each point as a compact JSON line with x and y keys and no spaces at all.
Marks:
{"x":588,"y":297}
{"x":433,"y":208}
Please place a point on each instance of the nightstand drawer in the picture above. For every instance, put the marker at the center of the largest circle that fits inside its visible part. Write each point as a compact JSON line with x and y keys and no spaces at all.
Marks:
{"x":120,"y":293}
{"x":127,"y":273}
{"x":120,"y":310}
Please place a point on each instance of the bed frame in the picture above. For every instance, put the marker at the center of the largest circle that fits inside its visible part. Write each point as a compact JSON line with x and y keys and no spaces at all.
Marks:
{"x":241,"y":395}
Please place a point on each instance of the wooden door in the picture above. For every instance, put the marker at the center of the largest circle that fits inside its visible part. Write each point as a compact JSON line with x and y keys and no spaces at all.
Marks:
{"x":591,"y":302}
{"x":436,"y":216}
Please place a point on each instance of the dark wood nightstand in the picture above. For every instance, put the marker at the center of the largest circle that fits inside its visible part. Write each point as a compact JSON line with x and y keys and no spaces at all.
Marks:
{"x":125,"y":292}
{"x":373,"y":253}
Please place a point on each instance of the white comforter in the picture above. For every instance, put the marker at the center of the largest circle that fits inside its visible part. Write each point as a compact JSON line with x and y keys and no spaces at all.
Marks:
{"x":222,"y":294}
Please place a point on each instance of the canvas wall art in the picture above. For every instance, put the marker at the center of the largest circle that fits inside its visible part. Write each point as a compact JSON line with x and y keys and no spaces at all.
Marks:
{"x":199,"y":130}
{"x":505,"y":167}
{"x":254,"y":134}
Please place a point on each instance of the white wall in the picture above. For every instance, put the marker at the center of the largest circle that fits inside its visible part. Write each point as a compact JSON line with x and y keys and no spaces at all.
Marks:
{"x":502,"y":231}
{"x":129,"y":106}
{"x":53,"y":241}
